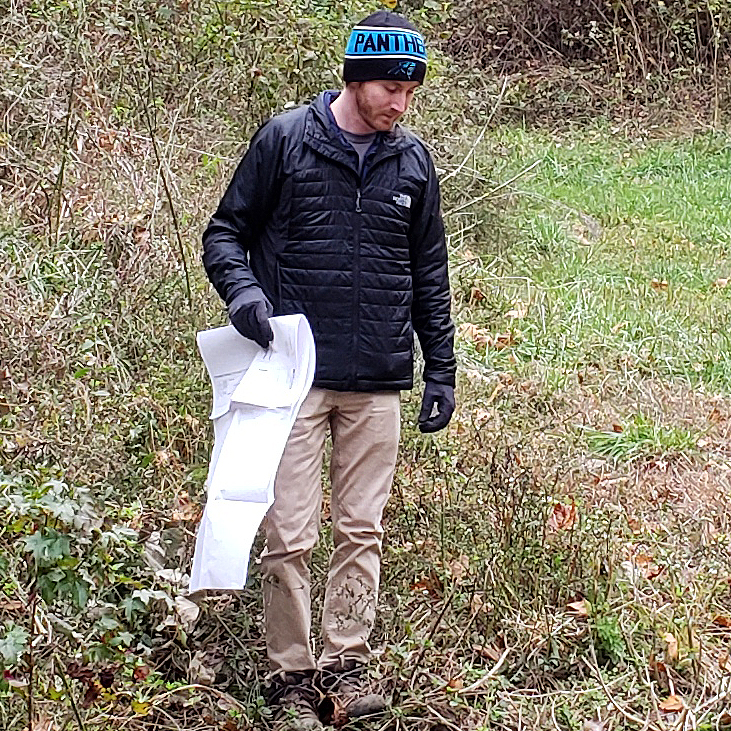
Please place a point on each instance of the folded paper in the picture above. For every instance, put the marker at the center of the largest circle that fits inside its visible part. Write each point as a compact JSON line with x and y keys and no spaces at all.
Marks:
{"x":257,"y":394}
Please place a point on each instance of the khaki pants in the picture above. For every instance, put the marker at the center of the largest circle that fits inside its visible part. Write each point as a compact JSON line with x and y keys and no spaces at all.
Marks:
{"x":365,"y":433}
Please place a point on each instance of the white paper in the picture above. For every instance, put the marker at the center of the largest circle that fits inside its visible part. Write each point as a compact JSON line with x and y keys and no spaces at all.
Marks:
{"x":256,"y":396}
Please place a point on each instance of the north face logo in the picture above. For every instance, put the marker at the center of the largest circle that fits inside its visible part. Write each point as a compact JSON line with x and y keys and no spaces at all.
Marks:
{"x":402,"y":200}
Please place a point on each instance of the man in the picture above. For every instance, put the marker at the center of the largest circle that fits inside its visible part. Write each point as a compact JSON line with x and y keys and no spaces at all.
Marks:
{"x":334,"y":212}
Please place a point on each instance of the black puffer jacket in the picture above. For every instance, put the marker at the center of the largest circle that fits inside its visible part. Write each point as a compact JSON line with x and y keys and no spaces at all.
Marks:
{"x":362,"y":256}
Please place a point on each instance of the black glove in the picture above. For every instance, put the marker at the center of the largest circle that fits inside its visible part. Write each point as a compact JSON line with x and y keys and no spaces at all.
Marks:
{"x":249,"y":313}
{"x":441,"y":396}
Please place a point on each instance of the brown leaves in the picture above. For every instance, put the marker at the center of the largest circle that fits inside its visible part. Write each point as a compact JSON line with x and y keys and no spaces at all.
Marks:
{"x":487,"y":652}
{"x":563,"y":517}
{"x":483,"y":338}
{"x":185,"y":509}
{"x":659,"y":284}
{"x":459,"y":567}
{"x":647,"y":567}
{"x":672,"y":704}
{"x":140,"y":672}
{"x":12,"y":605}
{"x":671,"y":647}
{"x":96,"y":682}
{"x":579,"y":608}
{"x":430,"y":585}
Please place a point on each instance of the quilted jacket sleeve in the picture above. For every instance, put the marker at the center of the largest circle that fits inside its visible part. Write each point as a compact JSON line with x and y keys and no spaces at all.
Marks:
{"x":431,"y":304}
{"x":242,"y":214}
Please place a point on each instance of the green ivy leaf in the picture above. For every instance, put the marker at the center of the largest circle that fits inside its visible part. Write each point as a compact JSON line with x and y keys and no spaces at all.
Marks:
{"x":13,"y":644}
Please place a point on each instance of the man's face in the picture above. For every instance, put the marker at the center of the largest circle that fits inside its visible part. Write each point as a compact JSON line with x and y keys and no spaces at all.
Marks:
{"x":381,"y":103}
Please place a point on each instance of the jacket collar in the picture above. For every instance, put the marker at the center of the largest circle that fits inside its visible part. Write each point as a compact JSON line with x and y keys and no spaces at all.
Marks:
{"x":324,"y":136}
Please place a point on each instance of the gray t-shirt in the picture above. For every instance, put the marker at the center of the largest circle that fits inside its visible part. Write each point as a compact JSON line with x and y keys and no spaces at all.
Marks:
{"x":360,"y":143}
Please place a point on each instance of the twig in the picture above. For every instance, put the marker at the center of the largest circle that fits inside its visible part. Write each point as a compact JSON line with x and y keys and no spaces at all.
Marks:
{"x":158,"y":159}
{"x":69,"y":691}
{"x":430,"y":634}
{"x":446,"y":722}
{"x":495,"y":190}
{"x":58,"y":185}
{"x":644,"y":723}
{"x":33,"y":603}
{"x":479,"y":136}
{"x":196,"y":686}
{"x":491,"y":673}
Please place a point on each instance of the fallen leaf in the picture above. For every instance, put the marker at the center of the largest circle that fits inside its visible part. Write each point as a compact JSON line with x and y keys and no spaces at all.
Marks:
{"x":187,"y":611}
{"x":659,"y":284}
{"x":480,"y":417}
{"x":563,"y":517}
{"x":478,"y":335}
{"x":205,"y":665}
{"x":671,"y":650}
{"x":141,"y":235}
{"x":107,"y":139}
{"x":486,"y":652}
{"x":721,"y":283}
{"x":44,"y":724}
{"x":659,"y":668}
{"x":80,"y":672}
{"x":478,"y":604}
{"x":580,"y":608}
{"x":140,"y":672}
{"x":477,"y":295}
{"x":459,"y":568}
{"x":185,"y":509}
{"x":92,"y":693}
{"x":106,"y":677}
{"x":723,"y":661}
{"x":455,"y":684}
{"x":672,"y":704}
{"x":649,"y":568}
{"x":616,"y":328}
{"x":721,"y":621}
{"x":141,"y":708}
{"x":503,"y":340}
{"x":12,"y":605}
{"x":430,"y":585}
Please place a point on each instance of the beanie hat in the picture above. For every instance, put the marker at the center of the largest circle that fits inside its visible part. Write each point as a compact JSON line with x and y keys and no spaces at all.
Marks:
{"x":385,"y":47}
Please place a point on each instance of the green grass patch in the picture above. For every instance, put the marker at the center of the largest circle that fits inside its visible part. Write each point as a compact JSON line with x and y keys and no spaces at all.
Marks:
{"x":641,"y":438}
{"x":619,"y":248}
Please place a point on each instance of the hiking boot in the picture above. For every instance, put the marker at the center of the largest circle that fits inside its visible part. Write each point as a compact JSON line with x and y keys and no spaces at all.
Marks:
{"x":295,"y":699}
{"x":350,"y":692}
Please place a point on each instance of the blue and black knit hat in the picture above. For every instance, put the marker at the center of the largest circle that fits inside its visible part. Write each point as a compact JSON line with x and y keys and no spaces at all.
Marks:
{"x":385,"y":47}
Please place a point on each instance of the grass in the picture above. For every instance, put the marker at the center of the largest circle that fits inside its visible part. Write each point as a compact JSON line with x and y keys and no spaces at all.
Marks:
{"x":616,"y":245}
{"x":559,"y":555}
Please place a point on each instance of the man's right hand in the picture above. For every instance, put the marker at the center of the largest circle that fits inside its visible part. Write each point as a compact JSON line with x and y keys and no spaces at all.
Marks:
{"x":249,"y":312}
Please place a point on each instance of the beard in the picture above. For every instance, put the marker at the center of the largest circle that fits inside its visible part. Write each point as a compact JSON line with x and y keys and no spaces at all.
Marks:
{"x":380,"y":118}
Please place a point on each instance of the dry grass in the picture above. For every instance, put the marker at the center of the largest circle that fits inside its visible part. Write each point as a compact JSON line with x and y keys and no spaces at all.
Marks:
{"x":528,"y":582}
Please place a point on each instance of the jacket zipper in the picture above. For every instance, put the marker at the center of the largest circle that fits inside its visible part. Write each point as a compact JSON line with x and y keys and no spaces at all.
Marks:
{"x":356,"y":282}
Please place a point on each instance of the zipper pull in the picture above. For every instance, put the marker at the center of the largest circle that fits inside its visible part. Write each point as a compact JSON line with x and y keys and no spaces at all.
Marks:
{"x":357,"y":201}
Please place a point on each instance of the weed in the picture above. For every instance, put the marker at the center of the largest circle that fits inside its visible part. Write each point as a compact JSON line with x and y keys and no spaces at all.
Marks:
{"x":641,"y":438}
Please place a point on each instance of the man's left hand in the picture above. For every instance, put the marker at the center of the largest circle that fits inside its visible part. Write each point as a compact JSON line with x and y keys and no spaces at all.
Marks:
{"x":440,"y":396}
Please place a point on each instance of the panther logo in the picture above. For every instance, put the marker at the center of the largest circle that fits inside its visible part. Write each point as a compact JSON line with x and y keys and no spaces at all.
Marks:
{"x":403,"y":68}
